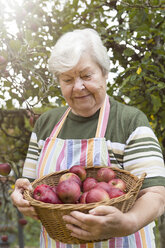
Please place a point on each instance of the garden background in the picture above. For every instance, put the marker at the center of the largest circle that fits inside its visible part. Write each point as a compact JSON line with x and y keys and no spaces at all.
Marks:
{"x":133,"y":32}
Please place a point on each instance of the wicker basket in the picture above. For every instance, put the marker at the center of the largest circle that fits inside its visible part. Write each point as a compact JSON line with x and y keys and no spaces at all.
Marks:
{"x":50,"y":215}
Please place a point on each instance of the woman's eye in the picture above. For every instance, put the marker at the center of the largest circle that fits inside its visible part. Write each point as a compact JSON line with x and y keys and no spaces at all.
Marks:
{"x":86,"y":77}
{"x":67,"y":80}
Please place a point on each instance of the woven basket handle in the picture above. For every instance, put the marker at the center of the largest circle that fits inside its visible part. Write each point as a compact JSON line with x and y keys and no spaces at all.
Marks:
{"x":141,"y":179}
{"x":26,"y":195}
{"x":139,"y":183}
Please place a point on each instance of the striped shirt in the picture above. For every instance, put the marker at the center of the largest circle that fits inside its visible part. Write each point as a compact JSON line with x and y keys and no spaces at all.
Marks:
{"x":132,"y":146}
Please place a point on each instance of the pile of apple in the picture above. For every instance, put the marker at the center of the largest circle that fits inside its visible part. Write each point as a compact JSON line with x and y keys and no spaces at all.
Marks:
{"x":74,"y":187}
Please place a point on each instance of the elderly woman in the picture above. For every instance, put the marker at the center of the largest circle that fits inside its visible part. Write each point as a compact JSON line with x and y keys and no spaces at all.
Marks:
{"x":94,"y":129}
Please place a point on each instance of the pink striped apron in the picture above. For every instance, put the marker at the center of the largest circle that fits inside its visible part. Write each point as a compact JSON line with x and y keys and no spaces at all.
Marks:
{"x":58,"y":154}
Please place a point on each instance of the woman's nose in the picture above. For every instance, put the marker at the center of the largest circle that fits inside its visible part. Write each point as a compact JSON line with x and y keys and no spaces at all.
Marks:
{"x":79,"y":84}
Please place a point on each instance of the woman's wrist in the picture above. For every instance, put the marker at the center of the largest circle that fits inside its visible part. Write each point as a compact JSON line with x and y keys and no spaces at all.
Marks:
{"x":130,"y":224}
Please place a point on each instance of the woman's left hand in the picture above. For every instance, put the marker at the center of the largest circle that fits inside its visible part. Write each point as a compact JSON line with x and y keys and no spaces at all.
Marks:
{"x":102,"y":222}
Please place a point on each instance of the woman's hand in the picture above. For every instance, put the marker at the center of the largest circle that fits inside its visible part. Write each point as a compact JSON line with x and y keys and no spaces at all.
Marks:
{"x":18,"y":200}
{"x":103,"y":222}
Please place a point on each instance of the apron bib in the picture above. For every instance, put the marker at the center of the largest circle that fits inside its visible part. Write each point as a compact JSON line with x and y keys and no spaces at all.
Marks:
{"x":58,"y":154}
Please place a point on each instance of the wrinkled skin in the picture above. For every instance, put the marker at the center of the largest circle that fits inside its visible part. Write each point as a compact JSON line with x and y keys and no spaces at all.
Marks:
{"x":84,"y":86}
{"x":18,"y":200}
{"x":105,"y":222}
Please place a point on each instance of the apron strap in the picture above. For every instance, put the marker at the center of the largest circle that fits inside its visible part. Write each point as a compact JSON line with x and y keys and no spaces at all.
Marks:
{"x":59,"y":125}
{"x":103,"y":118}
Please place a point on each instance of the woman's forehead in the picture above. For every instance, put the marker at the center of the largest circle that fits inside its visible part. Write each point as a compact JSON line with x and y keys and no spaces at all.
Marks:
{"x":74,"y":70}
{"x":85,"y":64}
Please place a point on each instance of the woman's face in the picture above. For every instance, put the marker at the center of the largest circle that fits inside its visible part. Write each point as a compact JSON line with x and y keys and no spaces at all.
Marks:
{"x":84,"y":86}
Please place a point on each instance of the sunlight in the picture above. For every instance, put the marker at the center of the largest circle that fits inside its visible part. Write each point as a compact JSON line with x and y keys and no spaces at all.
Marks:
{"x":8,"y":7}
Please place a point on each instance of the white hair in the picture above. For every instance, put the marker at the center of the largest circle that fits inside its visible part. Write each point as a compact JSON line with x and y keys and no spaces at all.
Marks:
{"x":69,"y":48}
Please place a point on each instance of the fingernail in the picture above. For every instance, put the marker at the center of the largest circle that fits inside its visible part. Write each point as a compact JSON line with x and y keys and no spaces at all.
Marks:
{"x":30,"y":188}
{"x":67,"y":226}
{"x":91,"y":211}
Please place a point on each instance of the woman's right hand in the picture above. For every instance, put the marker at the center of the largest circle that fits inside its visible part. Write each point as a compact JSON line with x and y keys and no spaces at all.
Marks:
{"x":17,"y":198}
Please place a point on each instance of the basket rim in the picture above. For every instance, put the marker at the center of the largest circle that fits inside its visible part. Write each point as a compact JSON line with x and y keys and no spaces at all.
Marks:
{"x":79,"y":206}
{"x":86,"y":168}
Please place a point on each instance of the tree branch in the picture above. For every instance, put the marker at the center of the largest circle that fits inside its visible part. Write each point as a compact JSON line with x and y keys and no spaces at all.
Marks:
{"x":143,"y":6}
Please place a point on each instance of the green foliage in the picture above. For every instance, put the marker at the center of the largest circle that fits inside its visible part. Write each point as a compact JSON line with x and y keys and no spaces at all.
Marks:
{"x":31,"y":233}
{"x":143,"y":80}
{"x":132,"y":31}
{"x":33,"y":227}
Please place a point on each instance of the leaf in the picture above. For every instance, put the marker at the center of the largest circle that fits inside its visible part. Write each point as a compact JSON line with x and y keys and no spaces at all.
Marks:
{"x":125,"y":81}
{"x":149,"y":79}
{"x":161,"y":85}
{"x":128,"y":52}
{"x":162,"y":67}
{"x":75,"y":3}
{"x":162,"y":115}
{"x":28,"y":35}
{"x":156,"y":103}
{"x":15,"y":45}
{"x":36,"y":81}
{"x":7,"y":84}
{"x":1,"y":96}
{"x":9,"y":104}
{"x":133,"y":77}
{"x":139,"y":70}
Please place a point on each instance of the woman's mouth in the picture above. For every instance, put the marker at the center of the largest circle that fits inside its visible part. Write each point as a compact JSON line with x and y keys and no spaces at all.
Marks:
{"x":81,"y":97}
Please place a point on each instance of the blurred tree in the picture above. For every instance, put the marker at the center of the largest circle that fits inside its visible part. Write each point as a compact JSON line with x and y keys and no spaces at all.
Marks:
{"x":133,"y":32}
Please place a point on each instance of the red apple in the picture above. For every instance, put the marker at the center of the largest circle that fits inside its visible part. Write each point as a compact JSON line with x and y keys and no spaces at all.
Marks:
{"x":89,"y":183}
{"x":105,"y":174}
{"x":22,"y":221}
{"x":34,"y":27}
{"x":32,"y":118}
{"x":53,"y":188}
{"x":2,"y":60}
{"x":83,"y":197}
{"x":4,"y":238}
{"x":96,"y":195}
{"x":103,"y":185}
{"x":71,"y":177}
{"x":5,"y":169}
{"x":79,"y":171}
{"x":117,"y":183}
{"x":44,"y":193}
{"x":68,"y":191}
{"x":115,"y":192}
